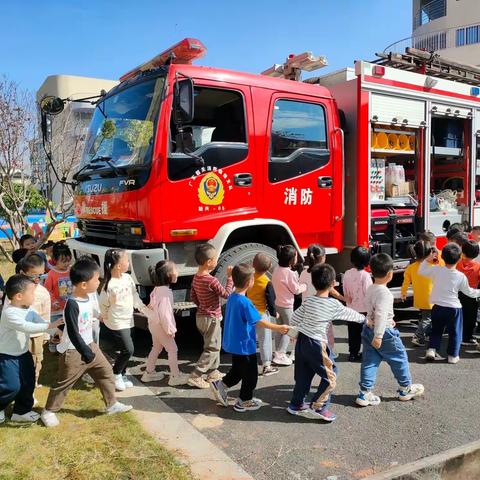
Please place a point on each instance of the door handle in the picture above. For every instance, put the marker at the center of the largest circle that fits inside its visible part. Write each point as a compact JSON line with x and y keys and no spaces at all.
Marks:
{"x":325,"y":182}
{"x":242,"y":179}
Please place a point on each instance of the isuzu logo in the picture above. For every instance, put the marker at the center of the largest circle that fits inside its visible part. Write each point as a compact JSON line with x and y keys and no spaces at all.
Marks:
{"x":93,"y":188}
{"x":127,"y":183}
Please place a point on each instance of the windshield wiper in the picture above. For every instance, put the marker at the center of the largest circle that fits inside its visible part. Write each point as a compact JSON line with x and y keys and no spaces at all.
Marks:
{"x":108,"y":160}
{"x":88,"y":165}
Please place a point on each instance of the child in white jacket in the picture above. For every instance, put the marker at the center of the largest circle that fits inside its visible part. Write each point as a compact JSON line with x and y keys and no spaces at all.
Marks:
{"x":162,"y":325}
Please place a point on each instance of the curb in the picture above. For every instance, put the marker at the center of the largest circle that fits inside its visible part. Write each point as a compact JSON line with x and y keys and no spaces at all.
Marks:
{"x":449,"y":461}
{"x":206,"y":461}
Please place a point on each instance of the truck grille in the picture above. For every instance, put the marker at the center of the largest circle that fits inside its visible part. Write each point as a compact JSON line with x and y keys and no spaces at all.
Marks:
{"x":112,"y":233}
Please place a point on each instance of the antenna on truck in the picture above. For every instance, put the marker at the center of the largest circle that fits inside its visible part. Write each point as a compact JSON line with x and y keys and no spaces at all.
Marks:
{"x":294,"y":64}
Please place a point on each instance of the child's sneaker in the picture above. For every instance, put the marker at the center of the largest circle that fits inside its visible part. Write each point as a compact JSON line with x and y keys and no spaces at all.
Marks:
{"x":128,"y":383}
{"x":472,"y":342}
{"x":418,"y":342}
{"x":49,"y":419}
{"x":2,"y":416}
{"x":298,"y":409}
{"x":324,"y":413}
{"x":365,"y":399}
{"x":214,"y":376}
{"x":269,"y":370}
{"x":219,"y":390}
{"x":407,"y":393}
{"x":119,"y":383}
{"x":197,"y":382}
{"x":176,"y":380}
{"x":355,"y":357}
{"x":30,"y":417}
{"x":247,"y":405}
{"x":453,"y":360}
{"x":118,"y":407}
{"x":151,"y":377}
{"x":430,"y":355}
{"x":281,"y":359}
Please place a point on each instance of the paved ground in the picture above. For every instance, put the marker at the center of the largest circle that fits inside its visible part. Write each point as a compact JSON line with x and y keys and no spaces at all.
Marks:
{"x":272,"y":445}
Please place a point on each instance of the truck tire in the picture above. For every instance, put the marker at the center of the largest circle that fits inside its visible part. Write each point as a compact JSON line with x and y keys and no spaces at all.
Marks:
{"x":243,"y":253}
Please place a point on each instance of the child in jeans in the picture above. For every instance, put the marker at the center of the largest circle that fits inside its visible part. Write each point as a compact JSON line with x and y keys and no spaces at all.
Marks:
{"x":471,"y":269}
{"x":381,"y":340}
{"x":162,"y":325}
{"x":79,"y":353}
{"x":447,"y":310}
{"x":286,"y":285}
{"x":262,"y":296}
{"x":355,"y":283}
{"x":313,"y":354}
{"x":422,"y":287}
{"x":239,"y":339}
{"x":206,"y":293}
{"x":17,"y":370}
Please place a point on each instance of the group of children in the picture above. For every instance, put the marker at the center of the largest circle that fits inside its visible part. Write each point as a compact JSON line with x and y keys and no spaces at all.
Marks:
{"x":258,"y":311}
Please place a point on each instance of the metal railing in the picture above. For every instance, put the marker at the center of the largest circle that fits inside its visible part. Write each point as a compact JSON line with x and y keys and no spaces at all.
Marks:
{"x":430,"y":11}
{"x":438,"y":40}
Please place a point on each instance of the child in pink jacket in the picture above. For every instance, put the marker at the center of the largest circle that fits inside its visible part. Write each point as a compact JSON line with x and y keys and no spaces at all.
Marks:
{"x":162,"y":325}
{"x":286,"y":285}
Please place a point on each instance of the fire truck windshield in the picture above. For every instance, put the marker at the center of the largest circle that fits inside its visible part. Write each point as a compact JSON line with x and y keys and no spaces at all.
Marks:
{"x":122,"y":127}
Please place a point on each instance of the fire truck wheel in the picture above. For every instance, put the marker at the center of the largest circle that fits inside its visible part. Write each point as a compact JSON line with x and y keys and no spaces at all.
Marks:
{"x":243,"y":253}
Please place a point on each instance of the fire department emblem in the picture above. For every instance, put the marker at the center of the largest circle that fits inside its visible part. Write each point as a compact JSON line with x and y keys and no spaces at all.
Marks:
{"x":211,"y":190}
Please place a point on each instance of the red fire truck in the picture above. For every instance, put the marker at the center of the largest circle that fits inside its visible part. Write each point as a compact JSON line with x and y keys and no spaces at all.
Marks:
{"x":178,"y":154}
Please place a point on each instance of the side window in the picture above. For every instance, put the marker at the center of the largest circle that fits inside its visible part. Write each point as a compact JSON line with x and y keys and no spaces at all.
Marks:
{"x":218,"y":133}
{"x":298,"y":139}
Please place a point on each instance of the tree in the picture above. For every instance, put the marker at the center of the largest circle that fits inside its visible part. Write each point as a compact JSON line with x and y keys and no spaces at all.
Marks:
{"x":17,"y":195}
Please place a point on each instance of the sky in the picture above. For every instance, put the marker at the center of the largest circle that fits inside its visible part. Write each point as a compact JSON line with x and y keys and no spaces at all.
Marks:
{"x":106,"y":38}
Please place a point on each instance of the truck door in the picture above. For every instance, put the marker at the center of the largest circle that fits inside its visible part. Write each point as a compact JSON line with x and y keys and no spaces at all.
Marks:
{"x":216,"y":183}
{"x":300,"y":172}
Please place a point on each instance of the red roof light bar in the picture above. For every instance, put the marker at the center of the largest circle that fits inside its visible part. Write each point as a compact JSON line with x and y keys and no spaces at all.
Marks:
{"x":185,"y":52}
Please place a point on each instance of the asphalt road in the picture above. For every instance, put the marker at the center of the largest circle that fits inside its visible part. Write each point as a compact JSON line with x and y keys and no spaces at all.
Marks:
{"x":270,"y":444}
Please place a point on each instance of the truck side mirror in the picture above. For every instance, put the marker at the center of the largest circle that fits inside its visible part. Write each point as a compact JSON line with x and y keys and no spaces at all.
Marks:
{"x":183,"y":102}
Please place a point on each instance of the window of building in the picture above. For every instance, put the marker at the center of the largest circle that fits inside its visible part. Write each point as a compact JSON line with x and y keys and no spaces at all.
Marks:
{"x":218,"y":133}
{"x":460,"y":37}
{"x":429,"y":11}
{"x":467,"y":36}
{"x":298,"y":139}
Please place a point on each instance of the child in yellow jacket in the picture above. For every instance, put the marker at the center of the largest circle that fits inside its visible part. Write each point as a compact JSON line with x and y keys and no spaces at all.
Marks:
{"x":422,"y":287}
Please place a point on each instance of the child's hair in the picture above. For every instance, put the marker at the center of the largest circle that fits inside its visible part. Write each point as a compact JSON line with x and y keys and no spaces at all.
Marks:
{"x":453,"y":230}
{"x":451,"y":253}
{"x":422,"y":249}
{"x":24,"y":238}
{"x":428,"y":236}
{"x":460,"y":238}
{"x":61,"y":250}
{"x":32,"y":261}
{"x":161,"y":273}
{"x":16,"y":284}
{"x":49,"y":244}
{"x":470,"y":249}
{"x":315,"y":253}
{"x":381,"y":265}
{"x":360,"y":258}
{"x":262,"y":262}
{"x":323,"y":276}
{"x":112,"y":257}
{"x":286,"y":255}
{"x":83,"y":270}
{"x":476,"y":228}
{"x":204,"y":252}
{"x":241,"y":274}
{"x":18,"y":254}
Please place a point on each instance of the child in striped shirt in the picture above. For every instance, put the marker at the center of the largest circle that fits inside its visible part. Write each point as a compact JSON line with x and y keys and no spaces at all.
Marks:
{"x":312,"y":352}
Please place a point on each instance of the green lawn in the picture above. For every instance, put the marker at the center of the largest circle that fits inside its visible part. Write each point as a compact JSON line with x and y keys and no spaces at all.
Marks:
{"x":86,"y":445}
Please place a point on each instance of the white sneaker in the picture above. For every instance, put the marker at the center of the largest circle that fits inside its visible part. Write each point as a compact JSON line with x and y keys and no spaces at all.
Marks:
{"x":119,"y":383}
{"x":453,"y":359}
{"x":30,"y":417}
{"x":430,"y":355}
{"x":152,"y":377}
{"x":365,"y":399}
{"x":118,"y":408}
{"x":176,"y":380}
{"x":2,"y":416}
{"x":410,"y":392}
{"x":128,"y":383}
{"x":49,"y":419}
{"x":281,"y":359}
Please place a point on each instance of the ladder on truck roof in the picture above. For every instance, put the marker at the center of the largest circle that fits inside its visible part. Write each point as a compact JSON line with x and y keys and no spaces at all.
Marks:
{"x":294,"y":64}
{"x":430,"y":63}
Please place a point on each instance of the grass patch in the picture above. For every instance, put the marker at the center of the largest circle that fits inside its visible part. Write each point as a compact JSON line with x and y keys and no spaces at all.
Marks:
{"x":86,"y":445}
{"x":7,"y":269}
